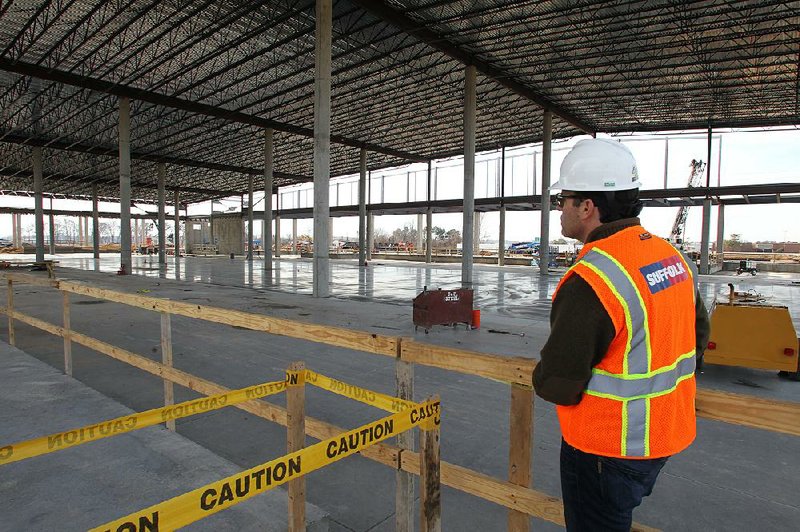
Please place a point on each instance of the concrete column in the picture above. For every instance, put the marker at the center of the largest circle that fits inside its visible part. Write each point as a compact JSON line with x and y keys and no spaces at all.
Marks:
{"x":501,"y":245}
{"x":362,"y":209}
{"x":52,"y":229}
{"x":38,"y":199}
{"x":429,"y":235}
{"x":162,"y":213}
{"x":721,"y":232}
{"x":269,"y":168}
{"x":95,"y":223}
{"x":322,"y":141}
{"x":370,"y":235}
{"x":250,"y":191}
{"x":19,"y":230}
{"x":136,"y":233}
{"x":467,"y":237}
{"x":666,"y":160}
{"x":705,"y":239}
{"x":294,"y":237}
{"x":80,"y":230}
{"x":544,"y":241}
{"x":125,"y":184}
{"x":177,"y":233}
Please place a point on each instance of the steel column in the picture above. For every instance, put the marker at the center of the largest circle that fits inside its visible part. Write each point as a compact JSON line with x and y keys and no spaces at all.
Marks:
{"x":38,"y":201}
{"x":14,"y":239}
{"x":177,"y":234}
{"x":162,"y":213}
{"x":295,"y":251}
{"x":362,"y":209}
{"x":705,"y":239}
{"x":544,"y":240}
{"x":469,"y":176}
{"x":250,"y":186}
{"x":429,"y":235}
{"x":269,"y":177}
{"x":95,"y":223}
{"x":125,"y":184}
{"x":721,"y":232}
{"x":278,"y":224}
{"x":52,"y":229}
{"x":501,"y":248}
{"x":322,"y":142}
{"x":370,"y":234}
{"x":429,"y":222}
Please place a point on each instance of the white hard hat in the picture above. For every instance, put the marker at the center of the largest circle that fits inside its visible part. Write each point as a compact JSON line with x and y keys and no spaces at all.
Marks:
{"x":596,"y":165}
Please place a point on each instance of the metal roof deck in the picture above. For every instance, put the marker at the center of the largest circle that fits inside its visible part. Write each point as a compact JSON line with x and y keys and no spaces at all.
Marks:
{"x":206,"y":77}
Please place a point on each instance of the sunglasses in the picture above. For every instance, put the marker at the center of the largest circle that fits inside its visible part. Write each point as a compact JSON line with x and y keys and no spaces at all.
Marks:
{"x":560,"y":199}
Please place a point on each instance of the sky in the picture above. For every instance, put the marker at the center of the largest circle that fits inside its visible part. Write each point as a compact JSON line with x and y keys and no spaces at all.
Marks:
{"x":738,"y":157}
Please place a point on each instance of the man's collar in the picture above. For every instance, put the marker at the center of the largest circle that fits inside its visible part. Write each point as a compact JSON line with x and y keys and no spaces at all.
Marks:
{"x":608,"y":229}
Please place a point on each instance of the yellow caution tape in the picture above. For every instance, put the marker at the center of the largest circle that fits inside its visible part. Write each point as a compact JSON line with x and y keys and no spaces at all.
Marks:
{"x":222,"y":494}
{"x":120,"y":425}
{"x":379,"y":400}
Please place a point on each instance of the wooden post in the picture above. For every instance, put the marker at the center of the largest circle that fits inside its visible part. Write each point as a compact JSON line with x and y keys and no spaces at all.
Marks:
{"x":166,"y":359}
{"x":404,"y":496}
{"x":519,"y":455}
{"x":296,"y":440}
{"x":67,"y":339}
{"x":12,"y":337}
{"x":430,"y":500}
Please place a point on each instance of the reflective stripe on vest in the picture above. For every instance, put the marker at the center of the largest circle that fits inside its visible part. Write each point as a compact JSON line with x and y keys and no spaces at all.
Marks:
{"x":636,"y":385}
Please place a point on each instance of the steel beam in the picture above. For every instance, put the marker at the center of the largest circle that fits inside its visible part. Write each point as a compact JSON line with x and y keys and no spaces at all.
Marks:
{"x":433,"y":39}
{"x":107,"y":87}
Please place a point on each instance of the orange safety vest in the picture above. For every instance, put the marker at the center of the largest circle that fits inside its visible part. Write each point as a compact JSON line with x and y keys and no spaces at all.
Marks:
{"x":639,"y":402}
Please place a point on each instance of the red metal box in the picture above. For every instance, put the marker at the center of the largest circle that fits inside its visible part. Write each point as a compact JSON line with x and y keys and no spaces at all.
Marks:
{"x":443,"y":307}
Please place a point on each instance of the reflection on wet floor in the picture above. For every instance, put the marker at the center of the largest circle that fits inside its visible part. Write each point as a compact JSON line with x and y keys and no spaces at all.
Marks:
{"x":516,"y":291}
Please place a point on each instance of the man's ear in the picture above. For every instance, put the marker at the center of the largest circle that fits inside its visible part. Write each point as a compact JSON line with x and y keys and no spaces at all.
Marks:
{"x":587,"y":206}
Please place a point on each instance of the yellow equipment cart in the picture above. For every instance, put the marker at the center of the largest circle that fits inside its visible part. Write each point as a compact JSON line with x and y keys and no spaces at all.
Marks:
{"x":746,"y":332}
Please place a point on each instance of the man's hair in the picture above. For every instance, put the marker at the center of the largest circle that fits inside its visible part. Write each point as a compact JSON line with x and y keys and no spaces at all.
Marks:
{"x":616,"y":205}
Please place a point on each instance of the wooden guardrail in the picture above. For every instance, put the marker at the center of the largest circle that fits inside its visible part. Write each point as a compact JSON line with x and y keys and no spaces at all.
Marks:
{"x":514,"y":493}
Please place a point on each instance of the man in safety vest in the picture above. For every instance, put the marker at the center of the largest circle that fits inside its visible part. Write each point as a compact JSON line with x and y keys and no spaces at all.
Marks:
{"x":627,"y":324}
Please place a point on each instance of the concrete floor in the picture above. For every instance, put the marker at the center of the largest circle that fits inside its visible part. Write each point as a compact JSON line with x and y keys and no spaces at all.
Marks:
{"x":732,"y":478}
{"x":75,"y":490}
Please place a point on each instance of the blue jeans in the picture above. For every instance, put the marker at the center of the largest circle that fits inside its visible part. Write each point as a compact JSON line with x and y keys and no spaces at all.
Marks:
{"x":600,"y":493}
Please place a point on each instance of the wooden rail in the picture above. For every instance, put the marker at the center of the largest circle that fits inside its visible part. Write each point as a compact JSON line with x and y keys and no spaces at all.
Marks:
{"x":515,"y":494}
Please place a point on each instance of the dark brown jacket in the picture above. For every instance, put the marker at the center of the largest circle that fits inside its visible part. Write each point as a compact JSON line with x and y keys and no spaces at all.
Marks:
{"x":581,"y":331}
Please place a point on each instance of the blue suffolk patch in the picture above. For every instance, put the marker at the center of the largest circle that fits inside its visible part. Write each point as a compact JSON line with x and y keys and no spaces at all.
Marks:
{"x":664,"y":273}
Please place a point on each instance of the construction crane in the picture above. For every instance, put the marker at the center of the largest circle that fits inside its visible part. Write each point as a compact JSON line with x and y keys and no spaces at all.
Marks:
{"x":678,"y":228}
